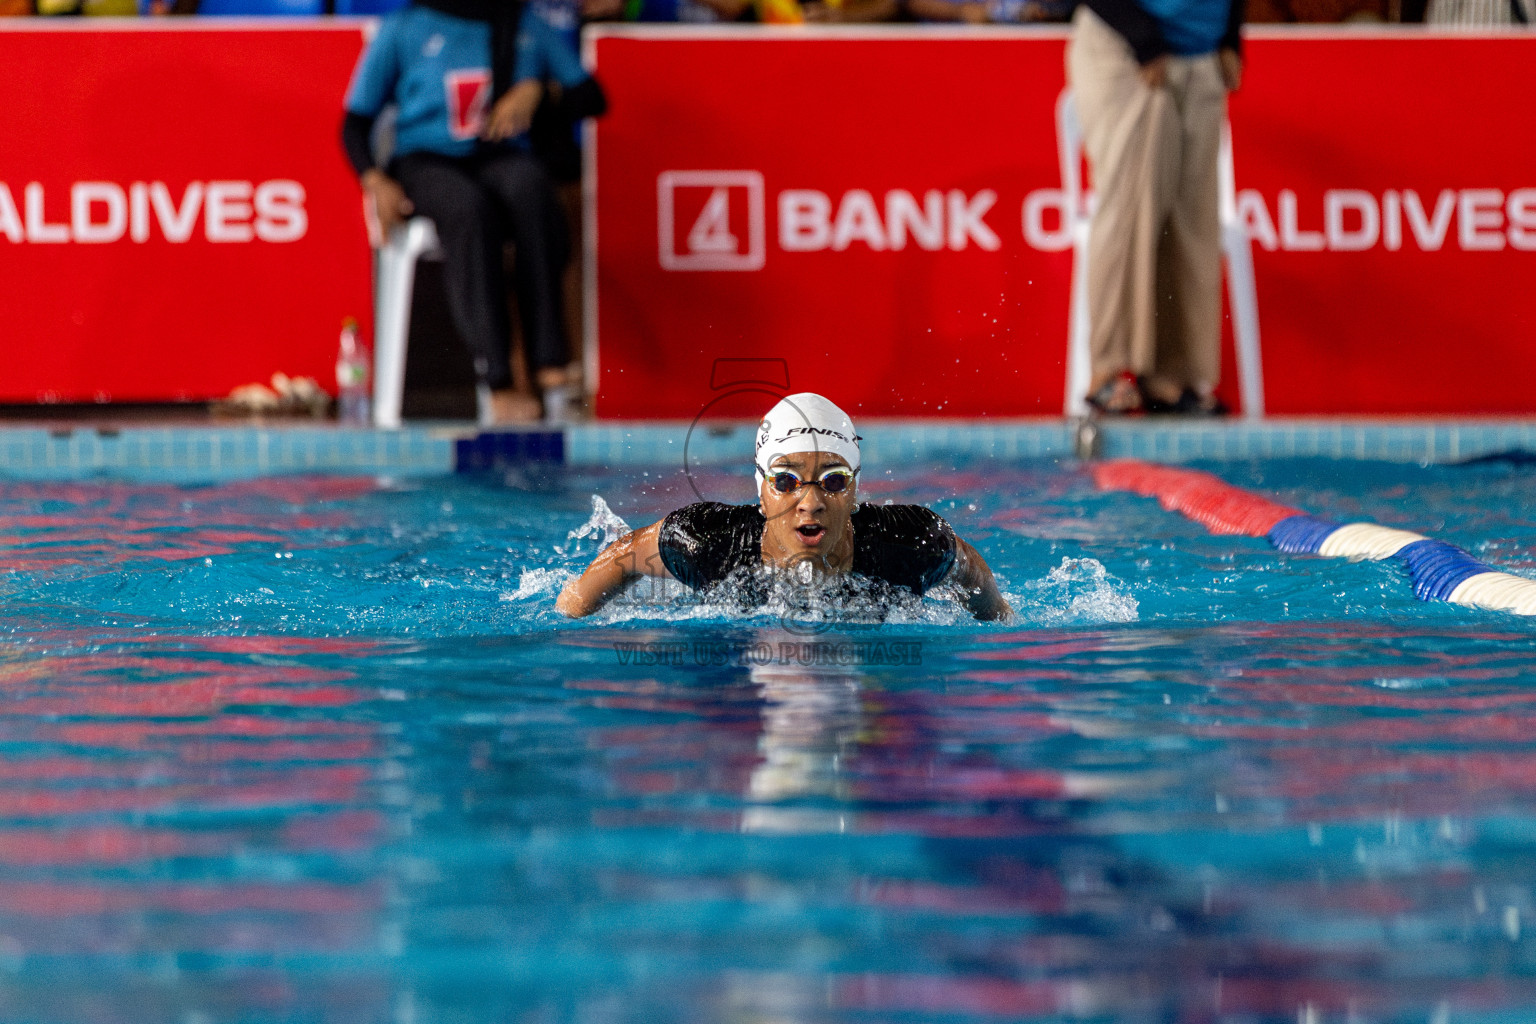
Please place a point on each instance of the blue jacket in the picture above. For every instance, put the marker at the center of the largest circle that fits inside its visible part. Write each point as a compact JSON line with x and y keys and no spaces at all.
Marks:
{"x":1187,"y":28}
{"x":437,"y":68}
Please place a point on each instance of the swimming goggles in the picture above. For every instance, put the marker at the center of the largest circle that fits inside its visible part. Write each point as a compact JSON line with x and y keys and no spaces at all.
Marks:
{"x":832,"y":481}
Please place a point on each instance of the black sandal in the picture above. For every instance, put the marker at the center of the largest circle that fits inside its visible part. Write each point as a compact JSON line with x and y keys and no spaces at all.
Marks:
{"x":1193,"y":403}
{"x":1119,"y":396}
{"x":1189,"y":403}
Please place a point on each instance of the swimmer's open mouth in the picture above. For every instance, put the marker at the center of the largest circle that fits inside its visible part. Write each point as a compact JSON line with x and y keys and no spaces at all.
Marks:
{"x":811,"y":533}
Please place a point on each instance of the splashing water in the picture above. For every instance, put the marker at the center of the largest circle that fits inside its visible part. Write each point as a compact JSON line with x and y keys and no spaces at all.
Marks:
{"x":538,"y":583}
{"x":604,"y":524}
{"x":799,"y":604}
{"x":1079,"y":591}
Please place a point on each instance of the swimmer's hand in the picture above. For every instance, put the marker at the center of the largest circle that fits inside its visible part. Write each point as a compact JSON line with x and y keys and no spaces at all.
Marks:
{"x":634,"y":554}
{"x":974,"y":578}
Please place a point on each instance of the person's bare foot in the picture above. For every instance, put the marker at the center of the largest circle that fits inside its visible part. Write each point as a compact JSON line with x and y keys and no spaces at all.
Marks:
{"x":514,"y":407}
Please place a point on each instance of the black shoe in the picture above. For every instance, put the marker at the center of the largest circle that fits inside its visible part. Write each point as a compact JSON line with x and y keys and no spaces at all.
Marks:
{"x":1189,"y":403}
{"x":1192,"y":403}
{"x":1159,"y":407}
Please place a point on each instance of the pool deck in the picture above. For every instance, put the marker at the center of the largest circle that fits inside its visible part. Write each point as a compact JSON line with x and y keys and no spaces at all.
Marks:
{"x":190,"y":451}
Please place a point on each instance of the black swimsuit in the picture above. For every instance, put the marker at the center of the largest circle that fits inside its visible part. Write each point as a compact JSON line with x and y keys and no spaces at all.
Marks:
{"x":904,"y":545}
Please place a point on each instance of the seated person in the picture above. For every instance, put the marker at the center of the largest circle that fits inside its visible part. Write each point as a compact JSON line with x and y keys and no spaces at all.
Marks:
{"x":96,"y":8}
{"x":807,"y":467}
{"x":696,"y":12}
{"x":768,"y":11}
{"x":1315,"y":11}
{"x":467,"y":81}
{"x":849,"y":12}
{"x":991,"y":12}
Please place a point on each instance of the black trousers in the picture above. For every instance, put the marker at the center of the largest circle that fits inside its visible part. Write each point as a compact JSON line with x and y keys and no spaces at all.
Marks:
{"x":478,"y":203}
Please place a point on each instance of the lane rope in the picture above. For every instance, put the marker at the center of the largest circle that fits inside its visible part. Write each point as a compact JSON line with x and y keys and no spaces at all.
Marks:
{"x":1440,"y":571}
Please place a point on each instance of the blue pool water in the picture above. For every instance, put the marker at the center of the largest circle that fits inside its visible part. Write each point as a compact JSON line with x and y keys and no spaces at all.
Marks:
{"x":321,"y":750}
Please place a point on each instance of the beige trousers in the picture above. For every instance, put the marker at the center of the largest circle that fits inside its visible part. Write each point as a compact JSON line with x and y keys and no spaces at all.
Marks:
{"x":1154,"y":250}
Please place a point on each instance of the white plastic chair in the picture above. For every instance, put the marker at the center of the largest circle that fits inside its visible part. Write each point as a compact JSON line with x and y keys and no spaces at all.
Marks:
{"x":1241,"y":291}
{"x":393,"y":290}
{"x":1079,"y":208}
{"x":1235,"y":246}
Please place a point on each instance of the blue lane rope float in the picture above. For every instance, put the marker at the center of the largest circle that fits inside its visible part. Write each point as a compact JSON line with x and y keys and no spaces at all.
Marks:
{"x":1299,"y":535}
{"x":1440,"y":571}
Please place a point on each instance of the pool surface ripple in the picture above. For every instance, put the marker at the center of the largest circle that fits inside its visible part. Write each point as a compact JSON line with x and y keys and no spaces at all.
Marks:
{"x":320,"y":749}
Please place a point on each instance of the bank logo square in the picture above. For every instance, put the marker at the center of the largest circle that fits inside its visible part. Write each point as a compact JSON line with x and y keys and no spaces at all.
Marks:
{"x":710,"y":220}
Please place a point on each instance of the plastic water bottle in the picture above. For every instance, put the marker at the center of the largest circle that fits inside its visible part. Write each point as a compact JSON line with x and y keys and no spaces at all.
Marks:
{"x":354,"y":366}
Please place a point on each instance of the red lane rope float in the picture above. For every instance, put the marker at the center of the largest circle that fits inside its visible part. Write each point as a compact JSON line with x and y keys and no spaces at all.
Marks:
{"x":1219,"y":506}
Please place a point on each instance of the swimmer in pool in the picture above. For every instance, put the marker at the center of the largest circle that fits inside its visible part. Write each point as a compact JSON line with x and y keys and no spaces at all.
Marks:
{"x":807,"y":468}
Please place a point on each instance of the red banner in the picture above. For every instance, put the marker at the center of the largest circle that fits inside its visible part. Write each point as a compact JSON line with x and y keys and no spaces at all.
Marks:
{"x":176,"y":215}
{"x":881,"y":210}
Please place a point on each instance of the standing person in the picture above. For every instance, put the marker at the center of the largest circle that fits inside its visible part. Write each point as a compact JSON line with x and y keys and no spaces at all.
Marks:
{"x":1150,"y":79}
{"x":467,"y":76}
{"x":1481,"y":13}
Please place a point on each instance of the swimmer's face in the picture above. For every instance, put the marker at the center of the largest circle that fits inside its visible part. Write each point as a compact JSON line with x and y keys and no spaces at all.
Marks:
{"x":807,"y":522}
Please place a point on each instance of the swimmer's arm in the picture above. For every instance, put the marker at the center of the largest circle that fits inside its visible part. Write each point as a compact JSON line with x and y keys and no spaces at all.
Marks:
{"x":634,"y":554}
{"x":979,"y":589}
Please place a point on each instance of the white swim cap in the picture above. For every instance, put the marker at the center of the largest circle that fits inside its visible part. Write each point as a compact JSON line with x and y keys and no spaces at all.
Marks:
{"x":805,"y":423}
